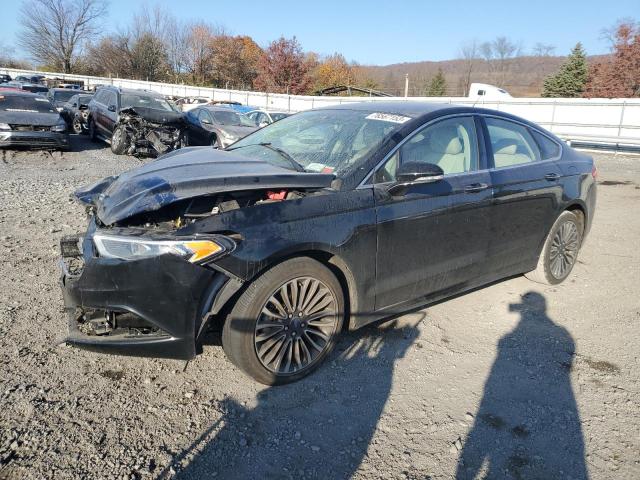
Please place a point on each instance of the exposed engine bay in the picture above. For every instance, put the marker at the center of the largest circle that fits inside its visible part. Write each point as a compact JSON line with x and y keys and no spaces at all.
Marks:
{"x":151,"y":135}
{"x":185,"y":212}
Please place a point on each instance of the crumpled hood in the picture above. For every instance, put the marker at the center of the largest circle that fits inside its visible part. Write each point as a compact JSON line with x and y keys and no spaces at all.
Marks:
{"x":39,"y":119}
{"x":188,"y":173}
{"x":154,"y":115}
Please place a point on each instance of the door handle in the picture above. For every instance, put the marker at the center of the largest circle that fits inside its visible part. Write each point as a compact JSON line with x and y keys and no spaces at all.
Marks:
{"x":476,"y":187}
{"x":552,"y":177}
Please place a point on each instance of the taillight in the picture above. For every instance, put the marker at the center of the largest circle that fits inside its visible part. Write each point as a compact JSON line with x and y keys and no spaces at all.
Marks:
{"x":594,"y":172}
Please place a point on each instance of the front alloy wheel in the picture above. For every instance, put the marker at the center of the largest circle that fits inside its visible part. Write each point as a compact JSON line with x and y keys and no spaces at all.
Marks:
{"x":295,"y":326}
{"x":286,"y":322}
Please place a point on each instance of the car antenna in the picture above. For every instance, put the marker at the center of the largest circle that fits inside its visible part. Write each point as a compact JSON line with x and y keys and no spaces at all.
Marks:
{"x":186,"y":364}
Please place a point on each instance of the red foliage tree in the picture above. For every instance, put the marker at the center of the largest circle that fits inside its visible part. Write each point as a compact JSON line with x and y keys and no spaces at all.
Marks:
{"x":619,"y":76}
{"x":283,"y":68}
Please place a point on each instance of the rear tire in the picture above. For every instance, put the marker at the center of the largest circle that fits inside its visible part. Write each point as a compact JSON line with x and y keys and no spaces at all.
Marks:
{"x":560,"y":250}
{"x":214,"y":142}
{"x":119,"y":141}
{"x":308,"y":303}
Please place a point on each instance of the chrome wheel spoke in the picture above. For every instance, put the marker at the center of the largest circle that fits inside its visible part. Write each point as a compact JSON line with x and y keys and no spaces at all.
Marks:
{"x":295,"y":325}
{"x":564,"y":249}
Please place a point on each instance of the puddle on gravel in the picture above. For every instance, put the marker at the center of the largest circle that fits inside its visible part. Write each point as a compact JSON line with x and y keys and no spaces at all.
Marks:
{"x":602,"y":365}
{"x":113,"y":374}
{"x":614,"y":182}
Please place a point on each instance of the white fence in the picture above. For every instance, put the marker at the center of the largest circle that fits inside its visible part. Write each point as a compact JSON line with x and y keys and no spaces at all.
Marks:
{"x":597,"y":120}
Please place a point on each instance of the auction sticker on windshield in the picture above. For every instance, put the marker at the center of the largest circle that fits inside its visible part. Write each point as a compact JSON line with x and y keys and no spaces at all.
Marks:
{"x":388,"y":117}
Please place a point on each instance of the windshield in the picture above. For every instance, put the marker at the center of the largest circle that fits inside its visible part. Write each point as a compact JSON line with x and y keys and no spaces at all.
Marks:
{"x":232,"y":118}
{"x":330,"y":141}
{"x":63,"y":95}
{"x":145,"y":101}
{"x":17,"y":103}
{"x":84,"y":99}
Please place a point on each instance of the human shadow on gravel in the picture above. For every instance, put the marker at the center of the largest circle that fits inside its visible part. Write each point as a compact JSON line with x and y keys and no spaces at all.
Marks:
{"x":528,"y":424}
{"x":319,"y":427}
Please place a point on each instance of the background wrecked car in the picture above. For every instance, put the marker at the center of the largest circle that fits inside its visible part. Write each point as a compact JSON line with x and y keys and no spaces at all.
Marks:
{"x":136,"y":122}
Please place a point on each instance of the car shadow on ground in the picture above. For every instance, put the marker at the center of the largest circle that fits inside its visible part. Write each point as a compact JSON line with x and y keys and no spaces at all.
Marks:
{"x":527,"y":425}
{"x":320,"y":427}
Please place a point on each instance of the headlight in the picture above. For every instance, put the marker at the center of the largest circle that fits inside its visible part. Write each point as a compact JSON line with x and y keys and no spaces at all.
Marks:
{"x":4,"y":126}
{"x":59,"y":109}
{"x":126,"y":248}
{"x":61,"y":127}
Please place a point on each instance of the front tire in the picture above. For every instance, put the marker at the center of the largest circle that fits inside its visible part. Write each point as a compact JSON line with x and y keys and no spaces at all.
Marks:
{"x":560,"y":250}
{"x":286,"y":322}
{"x":119,"y":141}
{"x":76,"y":126}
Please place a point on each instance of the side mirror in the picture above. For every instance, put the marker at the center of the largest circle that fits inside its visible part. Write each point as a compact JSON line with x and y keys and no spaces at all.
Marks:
{"x":205,"y":121}
{"x":111,"y":108}
{"x":412,"y":173}
{"x":263,"y":124}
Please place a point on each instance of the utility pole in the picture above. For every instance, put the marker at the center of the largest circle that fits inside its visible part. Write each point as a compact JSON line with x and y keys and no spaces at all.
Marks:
{"x":406,"y":85}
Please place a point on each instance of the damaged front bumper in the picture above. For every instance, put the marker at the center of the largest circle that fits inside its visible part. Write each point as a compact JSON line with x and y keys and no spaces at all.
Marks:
{"x":152,"y":307}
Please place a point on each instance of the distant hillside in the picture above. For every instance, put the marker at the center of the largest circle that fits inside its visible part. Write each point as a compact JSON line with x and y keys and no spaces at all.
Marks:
{"x":520,"y":76}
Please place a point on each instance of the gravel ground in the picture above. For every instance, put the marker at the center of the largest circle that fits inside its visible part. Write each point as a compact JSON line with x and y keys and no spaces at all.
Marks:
{"x":515,"y":380}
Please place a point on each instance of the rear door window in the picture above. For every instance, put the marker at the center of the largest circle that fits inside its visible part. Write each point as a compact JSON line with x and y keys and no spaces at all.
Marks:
{"x":511,"y":143}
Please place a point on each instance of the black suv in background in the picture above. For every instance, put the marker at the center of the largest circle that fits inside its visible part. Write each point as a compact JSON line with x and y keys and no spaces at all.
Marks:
{"x":135,"y":121}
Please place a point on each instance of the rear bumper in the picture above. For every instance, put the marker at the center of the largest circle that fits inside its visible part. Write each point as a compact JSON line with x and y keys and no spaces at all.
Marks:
{"x":167,"y":295}
{"x":34,"y":139}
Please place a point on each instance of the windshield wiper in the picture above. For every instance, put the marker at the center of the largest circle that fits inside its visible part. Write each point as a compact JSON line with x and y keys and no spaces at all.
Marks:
{"x":298,"y":167}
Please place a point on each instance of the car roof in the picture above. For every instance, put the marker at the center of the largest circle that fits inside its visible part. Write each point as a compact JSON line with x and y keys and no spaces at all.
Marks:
{"x":135,"y":91}
{"x":217,"y":108}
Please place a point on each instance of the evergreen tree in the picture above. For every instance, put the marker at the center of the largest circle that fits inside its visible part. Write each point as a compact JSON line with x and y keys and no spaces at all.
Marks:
{"x":571,"y":79}
{"x":438,"y":85}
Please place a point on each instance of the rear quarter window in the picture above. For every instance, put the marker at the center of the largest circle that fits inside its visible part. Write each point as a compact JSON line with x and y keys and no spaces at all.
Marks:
{"x":548,"y":148}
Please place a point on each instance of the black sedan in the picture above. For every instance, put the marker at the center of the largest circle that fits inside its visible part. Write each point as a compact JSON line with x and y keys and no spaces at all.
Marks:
{"x":324,"y":221}
{"x":30,"y":120}
{"x":217,"y":126}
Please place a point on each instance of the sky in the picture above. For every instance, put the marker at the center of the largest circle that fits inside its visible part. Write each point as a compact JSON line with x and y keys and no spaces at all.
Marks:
{"x":384,"y":32}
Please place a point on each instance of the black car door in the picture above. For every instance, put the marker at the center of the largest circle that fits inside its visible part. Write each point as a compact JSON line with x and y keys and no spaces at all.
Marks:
{"x":111,"y":113}
{"x":526,"y":190}
{"x":433,"y":237}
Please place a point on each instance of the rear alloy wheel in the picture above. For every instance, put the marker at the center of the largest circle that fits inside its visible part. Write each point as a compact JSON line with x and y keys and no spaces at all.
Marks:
{"x":119,"y":141}
{"x":560,"y":250}
{"x":279,"y":335}
{"x":77,"y":126}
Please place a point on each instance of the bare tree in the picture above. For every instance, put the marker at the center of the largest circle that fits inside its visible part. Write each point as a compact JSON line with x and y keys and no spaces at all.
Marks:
{"x":470,"y":53}
{"x":503,"y":50}
{"x":610,"y":34}
{"x":543,"y":50}
{"x":54,"y":31}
